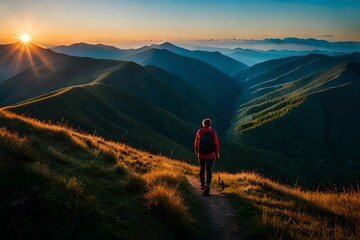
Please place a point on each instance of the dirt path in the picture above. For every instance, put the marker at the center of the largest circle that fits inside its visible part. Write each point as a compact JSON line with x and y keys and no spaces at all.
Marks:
{"x":222,"y":215}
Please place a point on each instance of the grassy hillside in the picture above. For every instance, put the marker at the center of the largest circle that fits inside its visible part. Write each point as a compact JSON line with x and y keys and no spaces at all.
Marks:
{"x":114,"y":114}
{"x":283,"y":109}
{"x":59,"y":184}
{"x":56,"y":183}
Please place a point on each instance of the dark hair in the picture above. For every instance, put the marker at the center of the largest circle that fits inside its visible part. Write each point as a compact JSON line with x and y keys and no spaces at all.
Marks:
{"x":206,"y":122}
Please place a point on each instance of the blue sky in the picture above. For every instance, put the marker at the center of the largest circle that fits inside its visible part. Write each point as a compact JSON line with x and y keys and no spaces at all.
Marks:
{"x":116,"y":21}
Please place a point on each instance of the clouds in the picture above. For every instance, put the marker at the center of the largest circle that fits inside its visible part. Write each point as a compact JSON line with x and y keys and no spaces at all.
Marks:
{"x":326,"y":36}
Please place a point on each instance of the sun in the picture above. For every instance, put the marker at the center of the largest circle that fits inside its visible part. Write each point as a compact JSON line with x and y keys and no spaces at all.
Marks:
{"x":25,"y":38}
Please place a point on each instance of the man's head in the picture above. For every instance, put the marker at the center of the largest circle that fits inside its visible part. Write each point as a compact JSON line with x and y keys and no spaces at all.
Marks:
{"x":206,"y":122}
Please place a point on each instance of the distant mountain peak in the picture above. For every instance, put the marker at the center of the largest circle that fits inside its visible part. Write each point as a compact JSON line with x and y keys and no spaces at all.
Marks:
{"x":167,"y":44}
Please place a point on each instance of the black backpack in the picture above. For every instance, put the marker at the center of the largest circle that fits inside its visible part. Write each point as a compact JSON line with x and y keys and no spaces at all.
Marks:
{"x":206,"y":143}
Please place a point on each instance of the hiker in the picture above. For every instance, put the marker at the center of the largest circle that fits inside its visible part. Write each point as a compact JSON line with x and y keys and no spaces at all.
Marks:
{"x":206,"y":146}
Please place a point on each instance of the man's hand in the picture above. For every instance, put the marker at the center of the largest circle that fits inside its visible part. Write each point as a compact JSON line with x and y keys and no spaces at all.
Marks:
{"x":218,"y":156}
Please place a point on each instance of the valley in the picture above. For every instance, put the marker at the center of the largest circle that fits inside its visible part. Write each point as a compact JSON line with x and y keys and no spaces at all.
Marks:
{"x":277,"y":114}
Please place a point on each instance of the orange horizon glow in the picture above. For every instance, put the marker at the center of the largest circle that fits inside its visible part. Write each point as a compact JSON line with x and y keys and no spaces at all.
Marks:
{"x":130,"y":22}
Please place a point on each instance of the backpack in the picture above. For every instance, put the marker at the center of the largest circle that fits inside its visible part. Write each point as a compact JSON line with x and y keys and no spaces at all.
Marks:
{"x":206,"y":143}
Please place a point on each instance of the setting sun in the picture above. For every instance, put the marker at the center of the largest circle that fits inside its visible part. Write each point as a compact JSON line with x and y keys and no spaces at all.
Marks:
{"x":25,"y":38}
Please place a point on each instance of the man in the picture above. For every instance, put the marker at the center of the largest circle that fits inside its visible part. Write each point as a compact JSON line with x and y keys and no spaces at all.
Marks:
{"x":206,"y":146}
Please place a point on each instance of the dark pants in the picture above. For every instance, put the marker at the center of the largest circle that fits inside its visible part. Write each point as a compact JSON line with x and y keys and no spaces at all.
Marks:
{"x":208,"y":165}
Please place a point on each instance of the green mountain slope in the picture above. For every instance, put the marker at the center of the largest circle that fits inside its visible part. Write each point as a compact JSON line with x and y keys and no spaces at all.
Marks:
{"x":114,"y":114}
{"x":282,"y":110}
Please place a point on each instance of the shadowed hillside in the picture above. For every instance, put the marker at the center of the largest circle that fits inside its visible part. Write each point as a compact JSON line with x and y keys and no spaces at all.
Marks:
{"x":224,"y":63}
{"x":195,"y":72}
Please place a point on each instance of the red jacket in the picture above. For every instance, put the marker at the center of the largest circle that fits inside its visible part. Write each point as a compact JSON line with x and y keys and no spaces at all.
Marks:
{"x":197,"y":141}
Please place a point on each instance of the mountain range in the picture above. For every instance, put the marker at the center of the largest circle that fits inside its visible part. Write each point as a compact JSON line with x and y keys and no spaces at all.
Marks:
{"x":216,"y":59}
{"x":276,"y":117}
{"x":228,"y":60}
{"x":289,"y":43}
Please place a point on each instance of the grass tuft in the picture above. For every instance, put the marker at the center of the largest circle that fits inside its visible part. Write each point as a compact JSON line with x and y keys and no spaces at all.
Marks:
{"x":109,"y":156}
{"x":167,"y":203}
{"x":14,"y":149}
{"x":70,"y":196}
{"x":135,"y":182}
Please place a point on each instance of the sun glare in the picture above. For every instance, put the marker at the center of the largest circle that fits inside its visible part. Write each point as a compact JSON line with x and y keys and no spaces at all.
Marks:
{"x":25,"y":38}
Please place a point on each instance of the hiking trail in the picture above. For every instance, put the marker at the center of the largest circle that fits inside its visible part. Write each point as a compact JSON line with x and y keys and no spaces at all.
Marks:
{"x":223,"y":225}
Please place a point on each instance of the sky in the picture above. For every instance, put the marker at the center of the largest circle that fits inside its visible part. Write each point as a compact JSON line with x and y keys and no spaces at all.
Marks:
{"x":135,"y":22}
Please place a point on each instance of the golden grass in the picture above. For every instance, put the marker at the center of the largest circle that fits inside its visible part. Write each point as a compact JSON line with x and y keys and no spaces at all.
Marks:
{"x":167,"y":202}
{"x":299,"y":213}
{"x":170,"y":178}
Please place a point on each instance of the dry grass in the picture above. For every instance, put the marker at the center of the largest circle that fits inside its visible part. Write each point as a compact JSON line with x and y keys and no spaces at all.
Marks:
{"x":135,"y":182}
{"x":169,"y":178}
{"x":298,"y":213}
